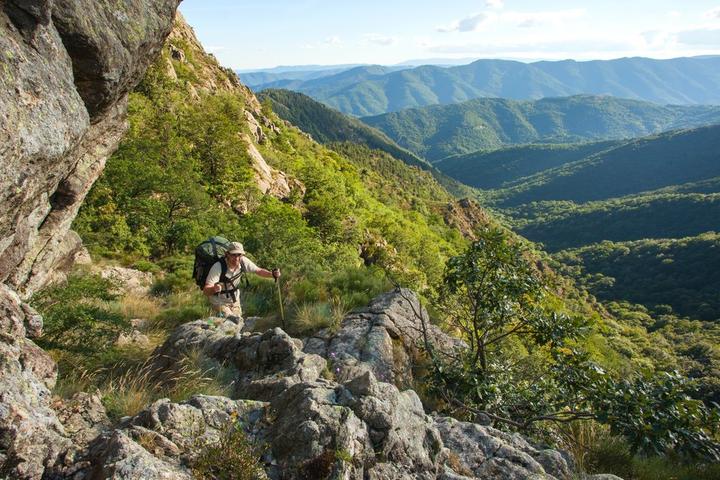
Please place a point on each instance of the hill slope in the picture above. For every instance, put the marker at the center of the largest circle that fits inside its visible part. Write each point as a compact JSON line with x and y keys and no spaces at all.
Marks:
{"x":676,"y":81}
{"x":331,"y":127}
{"x":560,"y":225}
{"x":496,"y":168}
{"x":645,"y":164}
{"x":327,"y":125}
{"x":439,"y":131}
{"x":683,"y":273}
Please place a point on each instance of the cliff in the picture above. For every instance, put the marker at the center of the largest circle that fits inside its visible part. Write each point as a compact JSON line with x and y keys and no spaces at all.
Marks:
{"x":67,"y":67}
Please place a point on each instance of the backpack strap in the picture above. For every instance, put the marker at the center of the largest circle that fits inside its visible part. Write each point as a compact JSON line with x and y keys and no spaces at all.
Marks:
{"x":230,"y":281}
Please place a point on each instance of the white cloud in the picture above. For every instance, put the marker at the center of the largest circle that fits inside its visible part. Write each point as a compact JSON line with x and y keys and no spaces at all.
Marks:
{"x":518,"y":19}
{"x":495,"y":4}
{"x":377,"y":39}
{"x":332,"y":41}
{"x":700,"y":37}
{"x":536,"y":19}
{"x":713,"y":14}
{"x":215,"y":49}
{"x":467,"y":24}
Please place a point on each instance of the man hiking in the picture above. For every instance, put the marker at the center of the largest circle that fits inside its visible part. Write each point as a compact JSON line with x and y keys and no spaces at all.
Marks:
{"x":221,"y":285}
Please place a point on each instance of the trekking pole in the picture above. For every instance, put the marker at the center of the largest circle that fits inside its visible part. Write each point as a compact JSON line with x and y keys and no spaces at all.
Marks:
{"x":280,"y":303}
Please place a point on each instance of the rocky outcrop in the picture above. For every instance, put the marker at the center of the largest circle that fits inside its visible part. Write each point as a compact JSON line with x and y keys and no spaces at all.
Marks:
{"x":67,"y":68}
{"x":126,"y":280}
{"x":31,"y":437}
{"x":336,"y":422}
{"x":269,"y":180}
{"x":387,"y":336}
{"x":466,"y":215}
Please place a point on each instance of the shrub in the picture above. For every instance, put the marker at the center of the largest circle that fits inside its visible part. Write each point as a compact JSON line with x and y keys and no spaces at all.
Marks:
{"x":232,"y":458}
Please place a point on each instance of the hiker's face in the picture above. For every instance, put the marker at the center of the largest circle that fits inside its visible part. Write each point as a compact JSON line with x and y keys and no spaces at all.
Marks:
{"x":233,"y":260}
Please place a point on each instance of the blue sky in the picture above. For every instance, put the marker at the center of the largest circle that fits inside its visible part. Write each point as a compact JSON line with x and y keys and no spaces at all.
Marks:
{"x":263,"y":34}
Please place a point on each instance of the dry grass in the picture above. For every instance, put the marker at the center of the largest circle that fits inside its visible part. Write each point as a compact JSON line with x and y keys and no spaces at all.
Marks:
{"x":131,"y":391}
{"x":310,"y":317}
{"x":139,"y":306}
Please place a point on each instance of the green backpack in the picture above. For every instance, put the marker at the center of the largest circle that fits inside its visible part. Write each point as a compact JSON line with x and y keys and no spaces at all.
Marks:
{"x":207,"y":254}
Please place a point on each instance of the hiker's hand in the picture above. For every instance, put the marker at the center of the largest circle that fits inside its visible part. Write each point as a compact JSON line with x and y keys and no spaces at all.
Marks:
{"x":276,"y":273}
{"x":217,"y":288}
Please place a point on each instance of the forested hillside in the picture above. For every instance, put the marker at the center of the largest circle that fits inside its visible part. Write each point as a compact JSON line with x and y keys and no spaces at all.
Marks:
{"x":682,"y":273}
{"x":327,"y":125}
{"x":565,"y":224}
{"x":438,"y":131}
{"x":640,"y":165}
{"x":373,"y":90}
{"x":493,"y":169}
{"x":333,"y":129}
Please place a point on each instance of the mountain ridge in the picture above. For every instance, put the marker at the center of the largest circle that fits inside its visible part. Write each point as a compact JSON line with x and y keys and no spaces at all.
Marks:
{"x":439,"y":131}
{"x":683,"y":80}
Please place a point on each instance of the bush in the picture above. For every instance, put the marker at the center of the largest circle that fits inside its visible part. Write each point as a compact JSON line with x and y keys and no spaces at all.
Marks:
{"x":232,"y":458}
{"x":77,"y":317}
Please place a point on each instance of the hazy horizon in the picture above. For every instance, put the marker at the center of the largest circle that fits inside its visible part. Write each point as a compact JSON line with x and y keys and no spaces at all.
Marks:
{"x":260,"y":36}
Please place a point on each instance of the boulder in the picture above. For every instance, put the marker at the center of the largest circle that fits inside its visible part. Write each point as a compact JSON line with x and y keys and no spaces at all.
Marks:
{"x":83,"y":416}
{"x":267,"y":363}
{"x":67,"y":68}
{"x":386,"y":336}
{"x":484,"y":452}
{"x":163,"y":440}
{"x":127,"y":280}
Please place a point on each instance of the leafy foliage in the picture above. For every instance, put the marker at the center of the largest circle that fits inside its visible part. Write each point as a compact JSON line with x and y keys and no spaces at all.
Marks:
{"x":76,"y":316}
{"x":493,"y":295}
{"x":233,"y":457}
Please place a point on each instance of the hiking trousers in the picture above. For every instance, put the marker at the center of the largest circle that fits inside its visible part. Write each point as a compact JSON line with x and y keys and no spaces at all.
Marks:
{"x":229,"y":310}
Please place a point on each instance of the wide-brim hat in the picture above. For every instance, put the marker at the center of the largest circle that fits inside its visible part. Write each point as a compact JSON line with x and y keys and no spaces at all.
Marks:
{"x":236,"y":247}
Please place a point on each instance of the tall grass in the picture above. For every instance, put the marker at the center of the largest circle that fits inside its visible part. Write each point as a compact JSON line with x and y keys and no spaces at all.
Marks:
{"x":134,"y":389}
{"x":596,"y":450}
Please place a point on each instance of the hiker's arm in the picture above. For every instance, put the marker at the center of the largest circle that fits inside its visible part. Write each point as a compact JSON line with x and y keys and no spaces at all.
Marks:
{"x":265,"y":273}
{"x":250,"y":267}
{"x":212,"y":282}
{"x":211,"y":290}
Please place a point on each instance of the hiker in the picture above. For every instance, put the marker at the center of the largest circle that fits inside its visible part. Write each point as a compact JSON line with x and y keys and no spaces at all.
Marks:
{"x":222,"y":289}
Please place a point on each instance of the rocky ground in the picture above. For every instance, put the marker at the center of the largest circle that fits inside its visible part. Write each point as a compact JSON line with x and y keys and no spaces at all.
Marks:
{"x":317,"y":408}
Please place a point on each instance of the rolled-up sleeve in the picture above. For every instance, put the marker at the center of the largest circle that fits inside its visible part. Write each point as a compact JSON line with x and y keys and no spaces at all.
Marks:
{"x":214,"y":274}
{"x":249,"y":266}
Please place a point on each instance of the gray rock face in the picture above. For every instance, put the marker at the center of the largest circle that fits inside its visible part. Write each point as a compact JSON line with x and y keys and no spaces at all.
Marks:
{"x":485,"y":452}
{"x":267,"y":363}
{"x":31,"y":437}
{"x":66,"y":70}
{"x":127,"y":280}
{"x":386,"y":336}
{"x":111,"y":44}
{"x":163,"y":440}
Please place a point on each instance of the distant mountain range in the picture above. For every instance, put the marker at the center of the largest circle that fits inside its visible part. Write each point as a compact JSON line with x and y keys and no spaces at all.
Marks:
{"x":439,"y":131}
{"x":373,"y":90}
